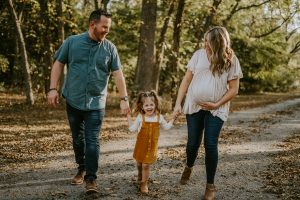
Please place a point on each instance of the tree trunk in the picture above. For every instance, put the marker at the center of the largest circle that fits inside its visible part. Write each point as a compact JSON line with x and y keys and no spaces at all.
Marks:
{"x":208,"y":22}
{"x":175,"y":49}
{"x":104,"y":4}
{"x":47,"y":50}
{"x":161,"y":46}
{"x":59,"y":11}
{"x":96,"y":4}
{"x":26,"y":69}
{"x":146,"y":58}
{"x":61,"y":35}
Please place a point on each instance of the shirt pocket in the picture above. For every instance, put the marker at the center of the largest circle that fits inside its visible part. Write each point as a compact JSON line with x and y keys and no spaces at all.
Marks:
{"x":102,"y":63}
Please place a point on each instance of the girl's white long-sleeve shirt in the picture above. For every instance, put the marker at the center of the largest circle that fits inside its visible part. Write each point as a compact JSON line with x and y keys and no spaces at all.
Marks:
{"x":137,"y":124}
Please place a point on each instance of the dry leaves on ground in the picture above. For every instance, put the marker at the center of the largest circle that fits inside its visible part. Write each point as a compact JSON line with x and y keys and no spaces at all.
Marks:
{"x":283,"y":175}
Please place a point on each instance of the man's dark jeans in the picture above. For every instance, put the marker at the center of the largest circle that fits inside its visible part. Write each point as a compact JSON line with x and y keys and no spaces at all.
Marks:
{"x":197,"y":123}
{"x":85,"y":127}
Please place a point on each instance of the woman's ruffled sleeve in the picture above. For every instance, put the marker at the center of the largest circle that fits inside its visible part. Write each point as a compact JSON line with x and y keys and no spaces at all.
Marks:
{"x":235,"y":71}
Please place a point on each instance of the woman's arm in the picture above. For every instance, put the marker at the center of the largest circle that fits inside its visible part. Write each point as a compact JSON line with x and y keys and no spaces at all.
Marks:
{"x":231,"y":92}
{"x":182,"y":91}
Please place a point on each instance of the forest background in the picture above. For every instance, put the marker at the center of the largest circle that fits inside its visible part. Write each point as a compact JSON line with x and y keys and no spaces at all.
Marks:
{"x":155,"y":40}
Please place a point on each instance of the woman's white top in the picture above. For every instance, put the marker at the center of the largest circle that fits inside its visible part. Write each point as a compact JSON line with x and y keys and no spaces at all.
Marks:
{"x":205,"y":87}
{"x":137,"y":124}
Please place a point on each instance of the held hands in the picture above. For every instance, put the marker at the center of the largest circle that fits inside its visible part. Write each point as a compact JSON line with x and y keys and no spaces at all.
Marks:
{"x":125,"y":109}
{"x":177,"y":111}
{"x":53,"y":98}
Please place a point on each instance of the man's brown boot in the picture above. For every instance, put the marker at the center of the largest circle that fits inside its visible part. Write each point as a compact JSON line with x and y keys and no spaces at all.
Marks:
{"x":185,"y":177}
{"x":78,"y":178}
{"x":91,"y":186}
{"x":144,"y":187}
{"x":210,"y":192}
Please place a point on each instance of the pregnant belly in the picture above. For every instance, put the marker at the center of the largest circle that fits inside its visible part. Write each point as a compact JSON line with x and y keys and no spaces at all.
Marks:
{"x":201,"y":95}
{"x":203,"y":91}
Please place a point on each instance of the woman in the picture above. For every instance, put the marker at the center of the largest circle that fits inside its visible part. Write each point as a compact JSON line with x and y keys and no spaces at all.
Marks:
{"x":210,"y":82}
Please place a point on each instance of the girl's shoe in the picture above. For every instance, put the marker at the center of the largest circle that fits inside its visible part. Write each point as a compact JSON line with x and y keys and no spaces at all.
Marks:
{"x":144,"y":187}
{"x":210,"y":192}
{"x":185,"y":177}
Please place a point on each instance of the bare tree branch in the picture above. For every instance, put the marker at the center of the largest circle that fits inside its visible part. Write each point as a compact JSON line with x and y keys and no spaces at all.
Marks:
{"x":296,"y":48}
{"x":236,"y":9}
{"x":253,"y":5}
{"x":275,"y":28}
{"x":291,"y":33}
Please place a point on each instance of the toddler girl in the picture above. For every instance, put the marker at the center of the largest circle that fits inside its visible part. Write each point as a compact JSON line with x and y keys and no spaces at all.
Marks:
{"x":147,"y":124}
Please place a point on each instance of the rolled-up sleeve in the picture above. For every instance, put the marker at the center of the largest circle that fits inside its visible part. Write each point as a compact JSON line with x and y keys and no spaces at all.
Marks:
{"x":61,"y":54}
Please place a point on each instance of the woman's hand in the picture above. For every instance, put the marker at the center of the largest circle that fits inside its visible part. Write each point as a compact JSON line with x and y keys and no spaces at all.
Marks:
{"x":177,"y":110}
{"x":209,"y":106}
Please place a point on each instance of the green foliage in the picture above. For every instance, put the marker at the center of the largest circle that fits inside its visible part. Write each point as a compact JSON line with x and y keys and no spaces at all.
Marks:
{"x":124,"y":34}
{"x":264,"y":64}
{"x":266,"y":60}
{"x":3,"y":64}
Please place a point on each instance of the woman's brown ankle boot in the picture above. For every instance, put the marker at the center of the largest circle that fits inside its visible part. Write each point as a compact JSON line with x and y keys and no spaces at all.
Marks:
{"x":185,"y":177}
{"x":210,"y":192}
{"x":144,"y":187}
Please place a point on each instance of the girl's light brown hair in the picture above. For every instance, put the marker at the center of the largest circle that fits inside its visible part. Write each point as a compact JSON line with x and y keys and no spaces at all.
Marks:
{"x":138,"y":107}
{"x":221,"y":53}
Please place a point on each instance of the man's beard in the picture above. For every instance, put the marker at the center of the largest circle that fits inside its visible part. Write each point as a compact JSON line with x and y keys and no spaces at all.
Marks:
{"x":98,"y":35}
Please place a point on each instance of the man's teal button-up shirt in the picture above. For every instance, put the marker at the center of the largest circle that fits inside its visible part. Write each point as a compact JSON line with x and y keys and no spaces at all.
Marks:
{"x":89,"y":65}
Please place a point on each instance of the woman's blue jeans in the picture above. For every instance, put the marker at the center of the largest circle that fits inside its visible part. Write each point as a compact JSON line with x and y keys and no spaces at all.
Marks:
{"x":85,"y":127}
{"x":199,"y":123}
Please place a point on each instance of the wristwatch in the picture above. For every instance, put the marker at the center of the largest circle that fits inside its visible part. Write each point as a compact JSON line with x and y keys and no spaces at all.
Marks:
{"x":125,"y":98}
{"x":52,"y":89}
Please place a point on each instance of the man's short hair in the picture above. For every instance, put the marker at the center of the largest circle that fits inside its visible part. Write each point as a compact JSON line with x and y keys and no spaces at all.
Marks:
{"x":96,"y":15}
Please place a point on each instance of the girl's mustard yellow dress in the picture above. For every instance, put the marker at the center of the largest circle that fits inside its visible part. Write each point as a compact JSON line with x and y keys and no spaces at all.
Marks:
{"x":146,"y":146}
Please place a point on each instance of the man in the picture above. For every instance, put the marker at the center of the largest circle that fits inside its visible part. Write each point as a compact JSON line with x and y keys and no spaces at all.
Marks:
{"x":90,"y":59}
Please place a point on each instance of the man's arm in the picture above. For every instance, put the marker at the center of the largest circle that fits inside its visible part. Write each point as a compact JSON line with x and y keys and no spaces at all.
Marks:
{"x":121,"y":85}
{"x":53,"y":96}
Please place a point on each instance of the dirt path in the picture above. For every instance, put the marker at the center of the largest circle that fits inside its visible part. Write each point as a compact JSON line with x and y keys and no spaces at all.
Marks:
{"x":248,"y":139}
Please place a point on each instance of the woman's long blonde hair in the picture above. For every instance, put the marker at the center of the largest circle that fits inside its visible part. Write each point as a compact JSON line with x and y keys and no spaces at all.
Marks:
{"x":218,"y":41}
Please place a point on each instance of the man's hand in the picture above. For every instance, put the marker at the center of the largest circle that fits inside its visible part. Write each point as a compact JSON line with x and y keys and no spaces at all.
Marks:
{"x":53,"y":98}
{"x":124,"y":105}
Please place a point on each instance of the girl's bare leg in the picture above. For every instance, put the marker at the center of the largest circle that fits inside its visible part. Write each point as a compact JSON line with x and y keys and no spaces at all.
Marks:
{"x":145,"y":177}
{"x":139,"y":167}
